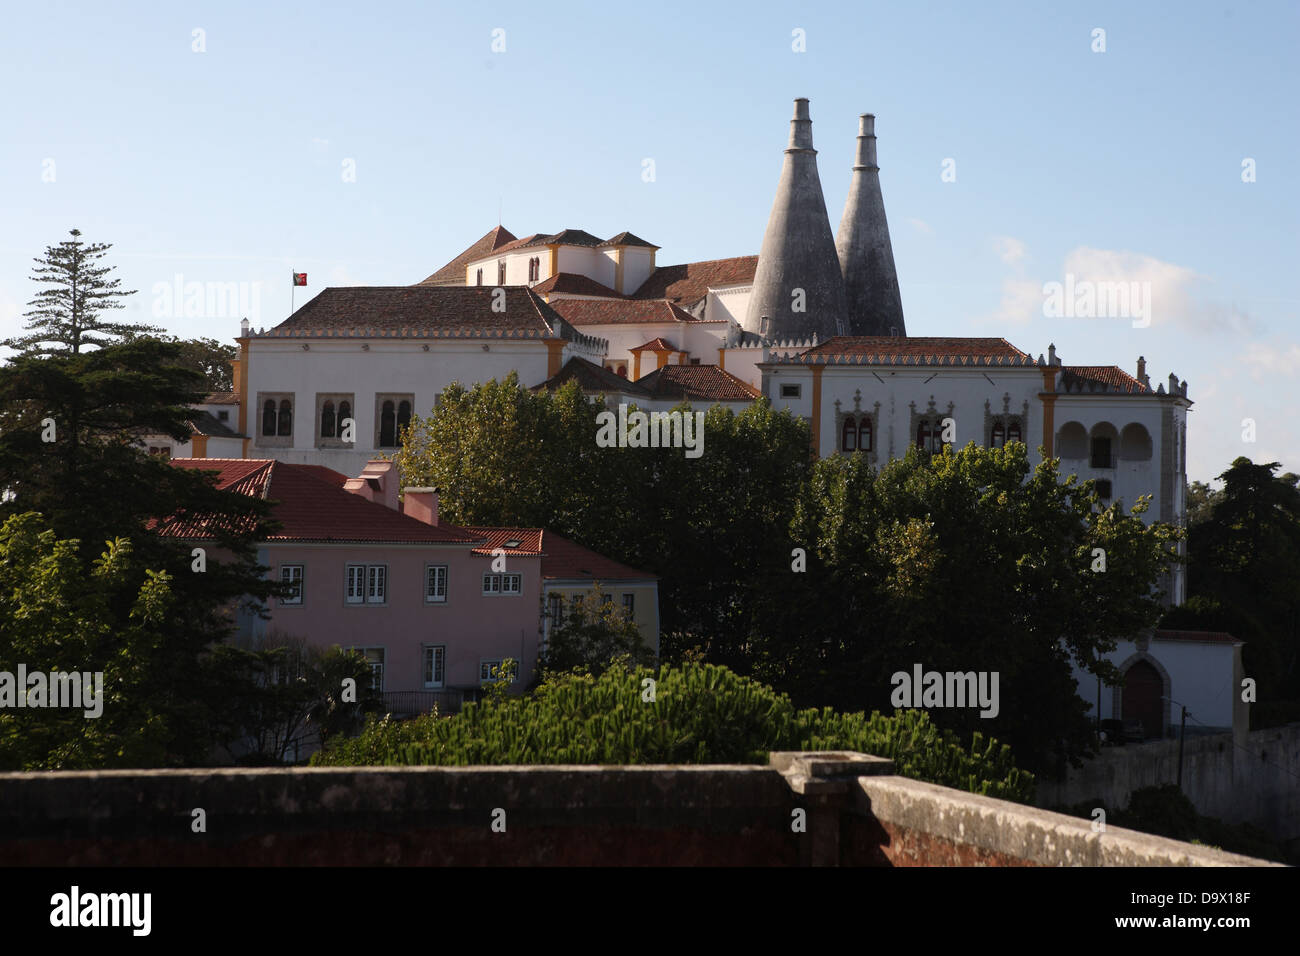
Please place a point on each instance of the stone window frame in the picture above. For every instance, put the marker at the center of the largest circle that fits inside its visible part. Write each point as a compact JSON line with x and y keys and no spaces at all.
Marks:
{"x":857,"y":414}
{"x":933,"y":414}
{"x":337,"y":398}
{"x":396,"y":398}
{"x":277,"y":440}
{"x":1006,"y":418}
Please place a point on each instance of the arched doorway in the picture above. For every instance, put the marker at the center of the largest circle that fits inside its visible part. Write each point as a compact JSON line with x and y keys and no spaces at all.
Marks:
{"x":1142,"y":691}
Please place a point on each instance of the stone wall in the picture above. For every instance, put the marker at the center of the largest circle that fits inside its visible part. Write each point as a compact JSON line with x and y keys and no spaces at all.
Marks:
{"x":1254,"y":781}
{"x":803,"y":809}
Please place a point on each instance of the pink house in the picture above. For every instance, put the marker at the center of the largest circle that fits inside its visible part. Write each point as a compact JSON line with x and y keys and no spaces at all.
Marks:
{"x":434,"y":607}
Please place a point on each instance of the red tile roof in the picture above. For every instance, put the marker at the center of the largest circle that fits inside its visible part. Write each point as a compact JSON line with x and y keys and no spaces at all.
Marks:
{"x":911,"y":350}
{"x":620,"y":311}
{"x":1100,"y":378}
{"x":562,"y":559}
{"x":419,"y":311}
{"x":310,"y":506}
{"x":697,"y":383}
{"x":530,"y":540}
{"x":574,"y":283}
{"x":627,"y":239}
{"x":221,"y":398}
{"x":689,"y":282}
{"x":453,"y":273}
{"x":591,"y":378}
{"x":659,"y":344}
{"x":1202,"y":637}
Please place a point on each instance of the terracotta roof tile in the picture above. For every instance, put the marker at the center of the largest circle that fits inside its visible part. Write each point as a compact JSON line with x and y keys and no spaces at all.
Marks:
{"x":453,"y":273}
{"x":697,"y":383}
{"x":1103,"y":378}
{"x":529,"y":546}
{"x":221,"y":398}
{"x":591,"y":378}
{"x":627,"y":239}
{"x":659,"y":344}
{"x":620,"y":311}
{"x":911,"y":350}
{"x":310,"y":506}
{"x":419,"y":311}
{"x":574,"y":283}
{"x":689,"y":282}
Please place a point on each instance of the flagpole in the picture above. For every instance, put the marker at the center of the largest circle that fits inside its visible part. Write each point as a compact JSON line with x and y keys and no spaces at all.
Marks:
{"x":293,"y":284}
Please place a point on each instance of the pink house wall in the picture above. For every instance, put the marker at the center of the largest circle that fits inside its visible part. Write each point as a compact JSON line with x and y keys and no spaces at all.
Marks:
{"x":472,"y":626}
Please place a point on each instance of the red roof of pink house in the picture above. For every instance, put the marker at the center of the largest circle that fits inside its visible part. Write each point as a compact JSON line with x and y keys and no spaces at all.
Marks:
{"x":562,"y":559}
{"x":310,"y":505}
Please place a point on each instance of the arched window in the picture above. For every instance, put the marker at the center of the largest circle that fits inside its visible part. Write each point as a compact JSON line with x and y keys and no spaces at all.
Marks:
{"x":268,"y":418}
{"x":849,"y":436}
{"x":327,"y":428}
{"x":864,"y":434}
{"x":387,"y":426}
{"x":501,"y":273}
{"x":403,"y":417}
{"x":284,"y":424}
{"x":999,"y":436}
{"x":345,"y":412}
{"x":1013,"y":432}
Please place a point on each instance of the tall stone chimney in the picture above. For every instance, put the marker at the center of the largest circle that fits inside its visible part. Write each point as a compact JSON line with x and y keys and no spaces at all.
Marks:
{"x":798,"y":284}
{"x":866,"y":256}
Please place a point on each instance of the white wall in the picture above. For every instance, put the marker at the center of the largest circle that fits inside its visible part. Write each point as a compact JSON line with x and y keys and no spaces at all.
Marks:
{"x":728,"y":302}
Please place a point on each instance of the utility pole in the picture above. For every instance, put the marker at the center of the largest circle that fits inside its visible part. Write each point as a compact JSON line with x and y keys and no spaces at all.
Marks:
{"x":1182,"y":733}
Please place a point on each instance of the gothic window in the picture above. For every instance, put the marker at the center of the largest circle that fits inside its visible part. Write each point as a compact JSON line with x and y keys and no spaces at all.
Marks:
{"x":284,"y":422}
{"x":478,"y":278}
{"x":929,"y":436}
{"x":999,"y":437}
{"x":848,"y":436}
{"x":387,"y":426}
{"x":403,"y":416}
{"x":501,"y":272}
{"x":864,"y":434}
{"x":327,"y":427}
{"x":1013,"y":432}
{"x":345,"y":412}
{"x":268,"y":418}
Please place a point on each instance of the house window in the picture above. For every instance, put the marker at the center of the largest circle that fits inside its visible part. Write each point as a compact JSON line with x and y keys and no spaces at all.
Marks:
{"x":501,"y":272}
{"x":629,"y":605}
{"x":534,"y":269}
{"x":490,"y":670}
{"x":162,"y":451}
{"x":999,"y":436}
{"x":1013,"y":432}
{"x":375,"y":658}
{"x":291,"y":574}
{"x":849,"y":436}
{"x":388,"y":425}
{"x":367,"y":584}
{"x":277,"y":419}
{"x":790,"y":391}
{"x":284,"y":421}
{"x":555,"y":604}
{"x":327,"y":426}
{"x":864,"y":434}
{"x":1101,"y":453}
{"x":268,"y":418}
{"x":435,"y":665}
{"x":478,"y":278}
{"x":435,"y":584}
{"x":495,"y":585}
{"x":1104,"y":489}
{"x":223,"y":416}
{"x":930,"y":437}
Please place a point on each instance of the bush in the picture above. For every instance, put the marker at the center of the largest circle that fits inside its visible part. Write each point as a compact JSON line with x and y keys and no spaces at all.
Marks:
{"x":701,"y":713}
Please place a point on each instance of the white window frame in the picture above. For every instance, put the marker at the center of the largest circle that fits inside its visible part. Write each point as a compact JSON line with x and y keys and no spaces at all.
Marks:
{"x":366,"y":584}
{"x":429,"y":673}
{"x":382,"y":662}
{"x":629,"y":604}
{"x":503,"y":585}
{"x":484,"y":669}
{"x":438,"y":593}
{"x":290,"y":579}
{"x":796,"y":386}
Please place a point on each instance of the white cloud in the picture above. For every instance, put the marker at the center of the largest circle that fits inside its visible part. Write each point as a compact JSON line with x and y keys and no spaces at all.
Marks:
{"x":1010,"y":250}
{"x":921,"y":226}
{"x":1266,"y":359}
{"x":1022,"y":301}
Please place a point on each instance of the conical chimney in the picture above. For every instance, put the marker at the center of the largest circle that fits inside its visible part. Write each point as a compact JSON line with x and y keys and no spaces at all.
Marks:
{"x":798,"y":285}
{"x":866,"y":256}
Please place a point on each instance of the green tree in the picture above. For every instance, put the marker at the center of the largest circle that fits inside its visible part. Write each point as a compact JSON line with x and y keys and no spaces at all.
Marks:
{"x":1244,"y":574}
{"x":1200,"y":500}
{"x":67,"y":313}
{"x":210,"y":358}
{"x":962,"y":561}
{"x":594,"y":634}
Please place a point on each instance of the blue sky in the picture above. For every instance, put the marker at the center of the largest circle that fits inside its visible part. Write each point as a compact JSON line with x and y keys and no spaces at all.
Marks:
{"x":1126,"y":165}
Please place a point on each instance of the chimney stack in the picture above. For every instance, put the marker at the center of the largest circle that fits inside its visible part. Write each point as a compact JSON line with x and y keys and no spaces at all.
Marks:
{"x":421,"y":504}
{"x":866,"y":256}
{"x":798,"y":282}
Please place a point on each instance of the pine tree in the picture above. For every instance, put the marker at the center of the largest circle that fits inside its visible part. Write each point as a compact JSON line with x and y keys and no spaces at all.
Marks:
{"x":66,"y":314}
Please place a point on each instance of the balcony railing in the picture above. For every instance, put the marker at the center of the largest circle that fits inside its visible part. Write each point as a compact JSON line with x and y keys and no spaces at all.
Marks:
{"x":412,"y":703}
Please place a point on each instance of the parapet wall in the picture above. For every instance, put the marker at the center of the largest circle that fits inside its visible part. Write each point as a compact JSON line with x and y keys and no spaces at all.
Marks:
{"x":803,"y":809}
